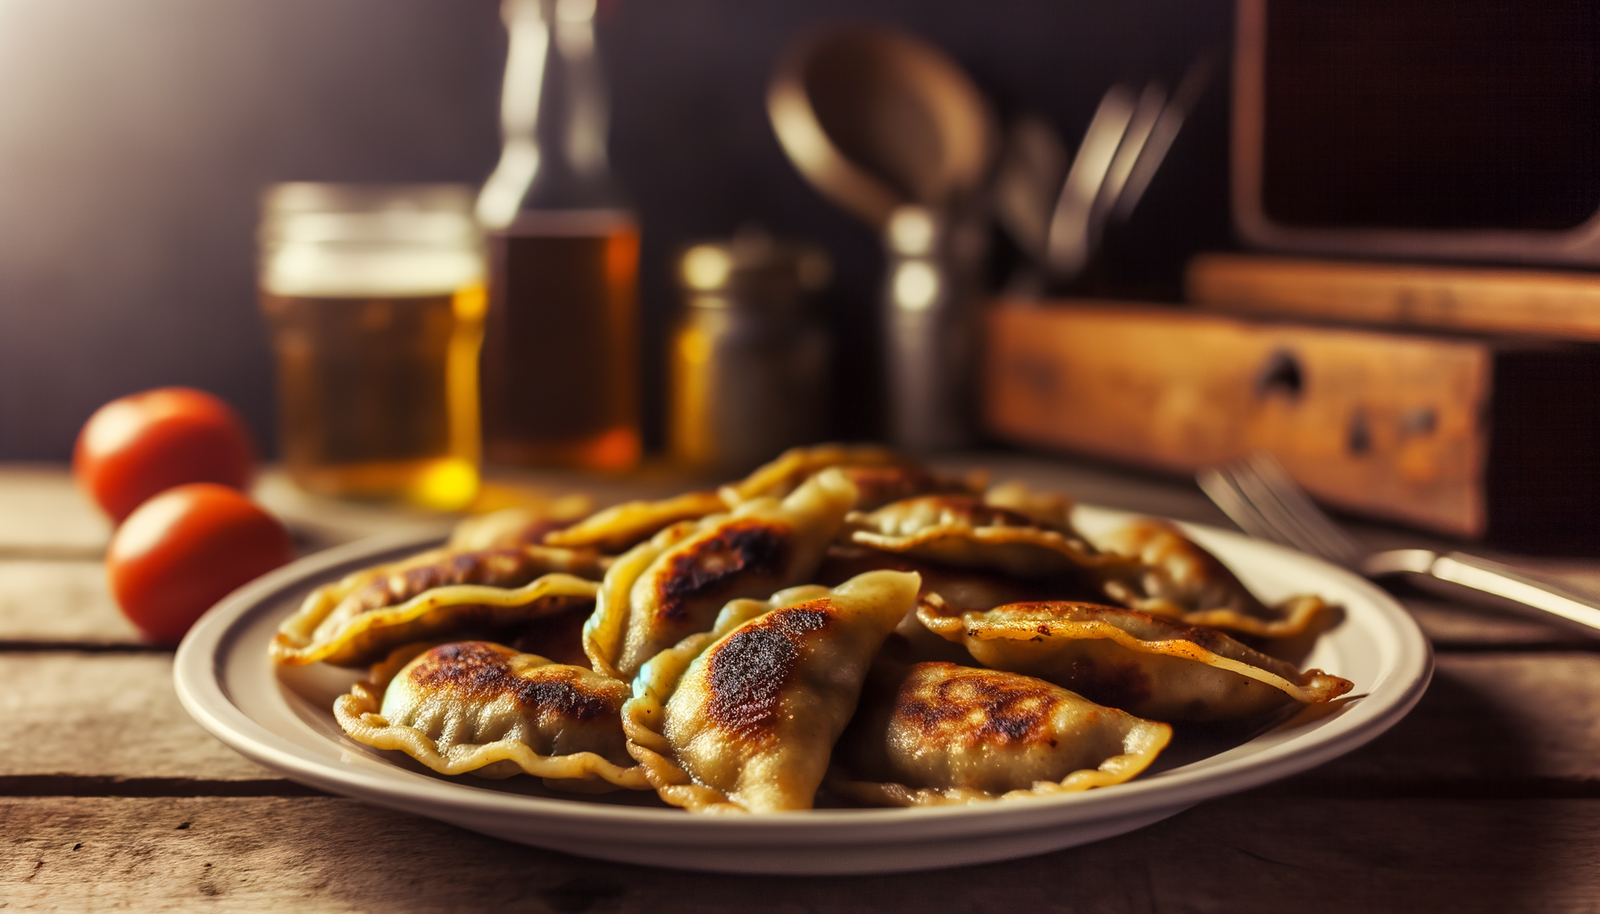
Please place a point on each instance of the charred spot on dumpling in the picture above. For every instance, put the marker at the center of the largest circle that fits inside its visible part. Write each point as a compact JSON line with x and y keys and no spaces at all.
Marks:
{"x":745,"y":547}
{"x":563,"y":690}
{"x":749,"y":669}
{"x":976,"y":707}
{"x":471,"y":667}
{"x":480,"y":670}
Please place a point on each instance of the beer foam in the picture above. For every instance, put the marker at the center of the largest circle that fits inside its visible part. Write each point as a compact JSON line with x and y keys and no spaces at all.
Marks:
{"x":369,"y":270}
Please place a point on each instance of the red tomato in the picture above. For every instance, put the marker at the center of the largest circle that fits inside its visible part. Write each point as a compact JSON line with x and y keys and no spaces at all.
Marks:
{"x":139,"y":445}
{"x":187,"y":548}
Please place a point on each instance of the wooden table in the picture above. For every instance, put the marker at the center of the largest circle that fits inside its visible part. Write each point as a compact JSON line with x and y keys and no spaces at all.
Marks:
{"x":1485,"y":799}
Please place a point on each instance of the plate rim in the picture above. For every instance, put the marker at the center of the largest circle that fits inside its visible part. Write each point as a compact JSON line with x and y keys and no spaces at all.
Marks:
{"x":201,"y":662}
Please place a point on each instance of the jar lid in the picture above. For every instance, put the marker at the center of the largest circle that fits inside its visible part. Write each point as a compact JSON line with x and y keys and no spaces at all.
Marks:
{"x":752,"y":268}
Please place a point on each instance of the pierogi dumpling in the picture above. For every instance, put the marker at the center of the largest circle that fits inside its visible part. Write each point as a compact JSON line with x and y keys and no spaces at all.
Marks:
{"x":435,"y":595}
{"x":744,"y":717}
{"x":485,"y":709}
{"x":938,"y":733}
{"x":1176,"y":578}
{"x":1143,"y":664}
{"x":671,"y":587}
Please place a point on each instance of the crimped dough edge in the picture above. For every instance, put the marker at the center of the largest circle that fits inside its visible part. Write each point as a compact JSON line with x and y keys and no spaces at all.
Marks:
{"x":1143,"y":743}
{"x":294,"y":644}
{"x":1313,"y":686}
{"x":357,"y":713}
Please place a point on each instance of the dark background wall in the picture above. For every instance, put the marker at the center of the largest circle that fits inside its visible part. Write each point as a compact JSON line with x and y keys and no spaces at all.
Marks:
{"x":135,"y":136}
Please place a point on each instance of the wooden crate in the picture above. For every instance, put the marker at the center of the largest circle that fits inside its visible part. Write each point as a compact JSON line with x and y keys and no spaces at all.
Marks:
{"x":1561,"y":304}
{"x":1463,"y":435}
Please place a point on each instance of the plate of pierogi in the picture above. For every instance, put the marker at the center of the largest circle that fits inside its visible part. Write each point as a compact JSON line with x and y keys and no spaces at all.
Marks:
{"x":845,"y":662}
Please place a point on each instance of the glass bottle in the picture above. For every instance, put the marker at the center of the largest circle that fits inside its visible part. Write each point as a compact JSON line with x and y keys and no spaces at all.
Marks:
{"x":560,"y":350}
{"x":749,"y":357}
{"x":374,"y":295}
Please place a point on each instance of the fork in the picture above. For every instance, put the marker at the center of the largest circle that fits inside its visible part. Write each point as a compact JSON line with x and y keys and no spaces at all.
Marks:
{"x":1260,"y":496}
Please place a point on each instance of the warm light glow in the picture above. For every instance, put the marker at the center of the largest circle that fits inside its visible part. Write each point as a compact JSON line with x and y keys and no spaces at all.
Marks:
{"x":614,"y":451}
{"x":470,"y":302}
{"x":706,"y":267}
{"x":911,"y":231}
{"x":916,"y":285}
{"x":116,"y":425}
{"x":461,"y":374}
{"x":694,"y":348}
{"x":448,"y":485}
{"x":147,"y":528}
{"x":622,"y":261}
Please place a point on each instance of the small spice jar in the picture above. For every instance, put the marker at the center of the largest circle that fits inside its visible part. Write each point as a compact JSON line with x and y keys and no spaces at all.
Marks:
{"x":749,"y":359}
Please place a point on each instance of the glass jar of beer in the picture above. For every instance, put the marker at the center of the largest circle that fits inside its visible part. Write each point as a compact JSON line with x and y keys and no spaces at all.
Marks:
{"x":375,"y":299}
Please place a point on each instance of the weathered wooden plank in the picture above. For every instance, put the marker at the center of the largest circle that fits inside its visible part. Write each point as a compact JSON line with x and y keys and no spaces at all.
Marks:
{"x":1242,"y":854}
{"x":62,"y":602}
{"x":43,"y":514}
{"x":1175,"y":389}
{"x":105,"y":715}
{"x":1492,"y":719}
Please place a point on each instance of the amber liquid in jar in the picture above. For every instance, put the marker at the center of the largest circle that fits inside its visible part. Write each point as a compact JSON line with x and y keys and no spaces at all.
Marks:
{"x":560,"y":344}
{"x":379,"y":396}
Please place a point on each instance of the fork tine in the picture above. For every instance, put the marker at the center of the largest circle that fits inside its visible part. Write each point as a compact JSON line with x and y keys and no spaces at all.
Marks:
{"x":1265,"y":501}
{"x":1221,"y":489}
{"x":1281,"y":525}
{"x":1321,"y":535}
{"x":1282,"y":520}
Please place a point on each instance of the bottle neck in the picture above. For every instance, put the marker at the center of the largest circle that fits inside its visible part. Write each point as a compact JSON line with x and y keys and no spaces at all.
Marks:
{"x":554,"y":116}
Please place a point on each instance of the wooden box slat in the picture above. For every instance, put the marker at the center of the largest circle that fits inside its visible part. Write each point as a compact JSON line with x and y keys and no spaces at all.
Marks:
{"x":1464,"y":436}
{"x":1538,"y":302}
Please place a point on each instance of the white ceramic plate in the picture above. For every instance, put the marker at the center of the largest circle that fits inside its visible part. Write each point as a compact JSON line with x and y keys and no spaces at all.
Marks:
{"x":282,"y":718}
